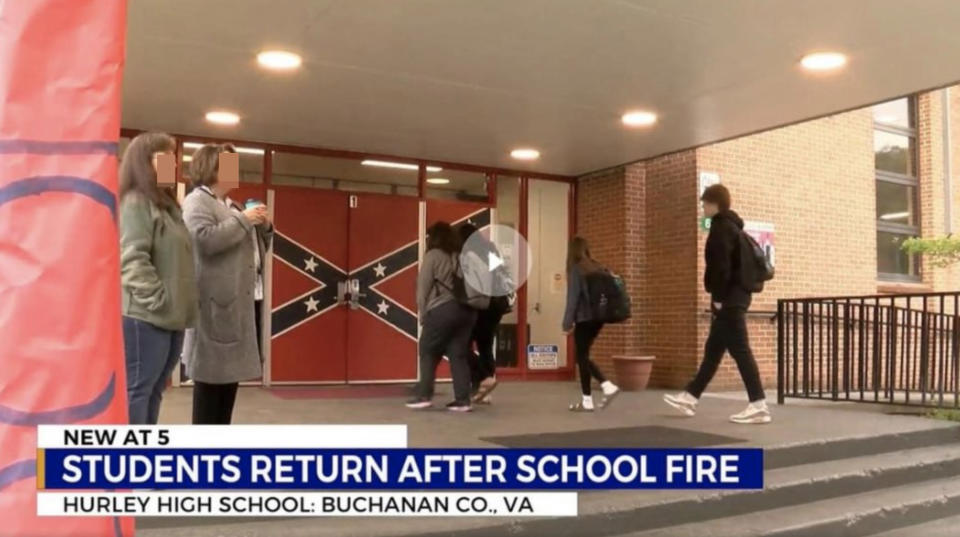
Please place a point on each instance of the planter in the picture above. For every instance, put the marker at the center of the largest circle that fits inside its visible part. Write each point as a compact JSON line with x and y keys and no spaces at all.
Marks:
{"x":633,"y":372}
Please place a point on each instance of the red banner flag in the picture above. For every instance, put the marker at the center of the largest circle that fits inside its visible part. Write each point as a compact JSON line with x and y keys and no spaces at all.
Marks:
{"x":61,"y":349}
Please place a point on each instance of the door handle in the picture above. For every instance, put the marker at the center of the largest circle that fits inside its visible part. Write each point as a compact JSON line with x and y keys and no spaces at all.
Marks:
{"x":342,"y":293}
{"x":536,"y":307}
{"x":355,"y":294}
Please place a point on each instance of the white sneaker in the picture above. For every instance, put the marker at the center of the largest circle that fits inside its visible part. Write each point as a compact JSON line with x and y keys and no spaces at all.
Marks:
{"x":683,"y":401}
{"x":755,"y":413}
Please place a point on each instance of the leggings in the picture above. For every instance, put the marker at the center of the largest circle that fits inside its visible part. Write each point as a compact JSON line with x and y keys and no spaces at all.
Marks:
{"x":584,"y":333}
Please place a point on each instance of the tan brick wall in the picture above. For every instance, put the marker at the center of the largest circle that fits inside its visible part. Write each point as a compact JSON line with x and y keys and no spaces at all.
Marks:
{"x":814,"y":181}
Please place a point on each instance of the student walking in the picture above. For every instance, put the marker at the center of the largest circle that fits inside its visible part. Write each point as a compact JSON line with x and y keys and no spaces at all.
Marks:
{"x":730,"y":298}
{"x":447,"y":323}
{"x":579,"y":318}
{"x":156,"y":267}
{"x":483,"y":366}
{"x":222,"y":351}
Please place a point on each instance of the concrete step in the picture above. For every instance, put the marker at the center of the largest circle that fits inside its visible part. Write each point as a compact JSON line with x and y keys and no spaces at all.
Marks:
{"x":857,"y":515}
{"x":943,"y":527}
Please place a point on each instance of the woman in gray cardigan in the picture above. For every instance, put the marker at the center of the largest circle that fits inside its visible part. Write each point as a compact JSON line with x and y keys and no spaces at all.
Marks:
{"x":156,"y":269}
{"x":222,"y":350}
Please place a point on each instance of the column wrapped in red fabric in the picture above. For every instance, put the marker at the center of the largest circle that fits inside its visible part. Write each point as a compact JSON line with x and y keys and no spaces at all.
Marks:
{"x":61,"y":347}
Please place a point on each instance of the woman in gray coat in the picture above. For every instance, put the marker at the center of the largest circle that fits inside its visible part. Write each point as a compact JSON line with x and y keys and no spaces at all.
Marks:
{"x":222,"y":350}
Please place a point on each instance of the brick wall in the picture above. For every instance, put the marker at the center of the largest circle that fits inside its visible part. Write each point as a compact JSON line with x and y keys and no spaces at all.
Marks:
{"x":813,"y":181}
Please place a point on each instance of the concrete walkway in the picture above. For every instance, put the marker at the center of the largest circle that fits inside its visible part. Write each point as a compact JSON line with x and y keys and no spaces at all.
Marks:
{"x":520,"y":408}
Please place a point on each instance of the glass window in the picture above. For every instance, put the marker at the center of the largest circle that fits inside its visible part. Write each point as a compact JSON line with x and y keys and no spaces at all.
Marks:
{"x":894,"y":153}
{"x":895,"y":203}
{"x":891,"y":260}
{"x":897,"y":113}
{"x":508,"y":214}
{"x":895,"y":158}
{"x":457,"y":185}
{"x":301,"y":169}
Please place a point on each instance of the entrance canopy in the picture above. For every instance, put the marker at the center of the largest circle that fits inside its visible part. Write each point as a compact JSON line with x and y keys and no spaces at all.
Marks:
{"x":469,"y":81}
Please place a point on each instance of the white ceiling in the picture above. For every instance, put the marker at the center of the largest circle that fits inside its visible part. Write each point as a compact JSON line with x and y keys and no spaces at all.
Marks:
{"x":468,"y":80}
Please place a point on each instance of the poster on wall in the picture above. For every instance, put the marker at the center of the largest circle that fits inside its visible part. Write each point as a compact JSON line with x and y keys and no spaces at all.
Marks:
{"x":762,"y":232}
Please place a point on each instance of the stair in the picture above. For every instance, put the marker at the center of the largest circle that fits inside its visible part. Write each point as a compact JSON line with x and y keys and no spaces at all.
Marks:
{"x":858,"y":486}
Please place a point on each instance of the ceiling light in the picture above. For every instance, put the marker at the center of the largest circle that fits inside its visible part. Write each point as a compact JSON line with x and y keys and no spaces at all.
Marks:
{"x":525,"y":154}
{"x":894,"y":216}
{"x":187,"y":158}
{"x":279,"y":60}
{"x":223,"y":118}
{"x":438,"y":181}
{"x":248,"y":150}
{"x":639,"y":118}
{"x":398,"y":165}
{"x":823,"y":61}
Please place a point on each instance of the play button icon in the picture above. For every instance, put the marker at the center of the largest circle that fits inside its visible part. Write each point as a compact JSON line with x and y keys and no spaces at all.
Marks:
{"x":495,"y":261}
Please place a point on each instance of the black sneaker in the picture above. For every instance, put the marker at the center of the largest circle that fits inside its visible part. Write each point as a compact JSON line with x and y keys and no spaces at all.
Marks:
{"x":419,"y":403}
{"x":457,"y":406}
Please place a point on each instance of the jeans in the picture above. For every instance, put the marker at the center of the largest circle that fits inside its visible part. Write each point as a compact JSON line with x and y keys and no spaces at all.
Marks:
{"x":151,"y":354}
{"x":728,"y":332}
{"x":446,"y":330}
{"x":584,"y":332}
{"x":213,"y":403}
{"x":484,"y":332}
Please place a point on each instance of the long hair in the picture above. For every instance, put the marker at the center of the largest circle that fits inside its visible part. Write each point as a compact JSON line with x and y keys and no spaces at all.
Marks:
{"x":578,"y":255}
{"x":441,"y":235}
{"x":137,"y":173}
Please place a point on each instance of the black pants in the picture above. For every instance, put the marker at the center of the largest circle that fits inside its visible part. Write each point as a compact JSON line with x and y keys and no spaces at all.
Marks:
{"x":213,"y":403}
{"x":728,"y":332}
{"x":446,"y":331}
{"x":584,"y":333}
{"x":484,"y":333}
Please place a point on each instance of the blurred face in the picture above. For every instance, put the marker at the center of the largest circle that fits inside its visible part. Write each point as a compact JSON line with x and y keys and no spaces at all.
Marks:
{"x":228,"y":172}
{"x":165,"y":166}
{"x":710,"y":209}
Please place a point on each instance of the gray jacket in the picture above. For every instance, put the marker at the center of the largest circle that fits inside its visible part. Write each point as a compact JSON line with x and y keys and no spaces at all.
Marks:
{"x":435,"y":281}
{"x":578,"y":303}
{"x":223,"y":347}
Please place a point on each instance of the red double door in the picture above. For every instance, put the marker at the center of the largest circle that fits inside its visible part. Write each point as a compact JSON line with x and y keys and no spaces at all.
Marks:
{"x":344,"y":284}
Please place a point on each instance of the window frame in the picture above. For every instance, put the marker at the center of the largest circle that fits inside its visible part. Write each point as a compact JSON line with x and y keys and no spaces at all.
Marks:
{"x":904,"y":180}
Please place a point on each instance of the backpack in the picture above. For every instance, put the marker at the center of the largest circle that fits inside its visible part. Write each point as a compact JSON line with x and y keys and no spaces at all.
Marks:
{"x":463,"y":293}
{"x":608,"y":298}
{"x":755,"y":266}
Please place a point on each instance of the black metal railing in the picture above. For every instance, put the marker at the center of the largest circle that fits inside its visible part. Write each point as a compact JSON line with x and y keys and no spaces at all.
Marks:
{"x":895,"y":349}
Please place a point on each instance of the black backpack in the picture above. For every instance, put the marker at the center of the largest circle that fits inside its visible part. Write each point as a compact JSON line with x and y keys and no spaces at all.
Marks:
{"x":607,"y":294}
{"x":755,"y":266}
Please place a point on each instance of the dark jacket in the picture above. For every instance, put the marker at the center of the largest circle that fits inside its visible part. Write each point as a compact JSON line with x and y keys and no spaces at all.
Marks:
{"x":578,"y":303}
{"x":722,"y":253}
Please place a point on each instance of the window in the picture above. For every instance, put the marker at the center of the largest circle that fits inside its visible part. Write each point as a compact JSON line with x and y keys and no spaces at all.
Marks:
{"x":895,"y":160}
{"x":383,"y":177}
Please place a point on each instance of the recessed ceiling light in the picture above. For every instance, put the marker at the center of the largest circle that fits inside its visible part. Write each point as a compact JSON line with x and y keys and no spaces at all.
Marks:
{"x":639,"y":118}
{"x":438,"y":181}
{"x":823,"y":61}
{"x":279,"y":60}
{"x":398,"y":165}
{"x":525,"y":154}
{"x":223,"y":118}
{"x":187,"y":158}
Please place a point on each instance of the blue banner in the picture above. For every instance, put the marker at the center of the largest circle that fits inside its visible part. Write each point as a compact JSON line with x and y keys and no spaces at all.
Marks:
{"x":401,"y":469}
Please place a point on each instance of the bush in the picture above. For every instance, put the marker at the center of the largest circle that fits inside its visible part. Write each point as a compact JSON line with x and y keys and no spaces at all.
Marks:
{"x":941,"y":252}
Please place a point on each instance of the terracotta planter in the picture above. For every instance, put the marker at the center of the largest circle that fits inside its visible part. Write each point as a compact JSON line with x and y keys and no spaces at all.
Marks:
{"x":633,"y":372}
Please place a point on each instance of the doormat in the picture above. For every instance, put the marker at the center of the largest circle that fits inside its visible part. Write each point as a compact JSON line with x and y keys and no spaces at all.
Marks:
{"x":649,"y":436}
{"x":370,"y":391}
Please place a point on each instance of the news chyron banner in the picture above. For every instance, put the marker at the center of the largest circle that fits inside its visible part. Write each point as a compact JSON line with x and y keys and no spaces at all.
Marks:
{"x":346,"y":471}
{"x":60,"y":75}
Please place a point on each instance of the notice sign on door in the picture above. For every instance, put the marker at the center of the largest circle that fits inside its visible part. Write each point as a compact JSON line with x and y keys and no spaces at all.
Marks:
{"x":543,"y":356}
